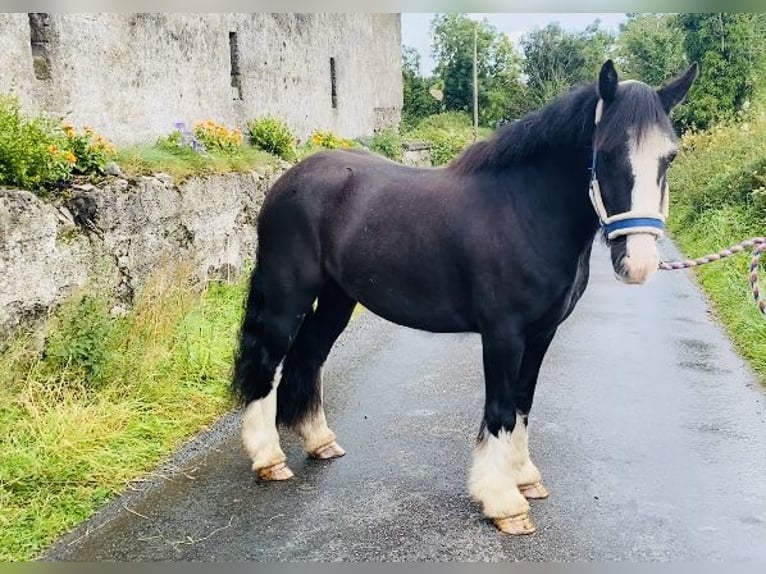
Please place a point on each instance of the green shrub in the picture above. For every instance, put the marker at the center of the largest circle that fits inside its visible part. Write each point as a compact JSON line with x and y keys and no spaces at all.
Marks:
{"x":746,"y":185}
{"x":91,"y":151}
{"x":329,"y":140}
{"x":216,"y":137}
{"x":78,"y":344}
{"x":274,"y":136}
{"x":725,"y":165}
{"x":446,"y":121}
{"x":387,"y":143}
{"x":33,"y":151}
{"x":173,"y":142}
{"x":448,"y":133}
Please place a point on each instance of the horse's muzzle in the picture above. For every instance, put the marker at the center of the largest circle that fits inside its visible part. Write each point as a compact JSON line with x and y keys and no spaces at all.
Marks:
{"x":635,"y":258}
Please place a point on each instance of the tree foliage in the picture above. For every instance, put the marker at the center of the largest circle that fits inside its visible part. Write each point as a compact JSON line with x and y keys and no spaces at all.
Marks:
{"x":555,"y":60}
{"x":731,"y":51}
{"x":730,"y":48}
{"x":498,"y":70}
{"x":418,"y":101}
{"x":650,"y":48}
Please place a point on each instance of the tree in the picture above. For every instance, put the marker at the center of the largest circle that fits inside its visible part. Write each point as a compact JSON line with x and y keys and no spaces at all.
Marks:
{"x":556,"y":60}
{"x":731,"y":51}
{"x":418,"y":102}
{"x":500,"y":91}
{"x":650,"y":48}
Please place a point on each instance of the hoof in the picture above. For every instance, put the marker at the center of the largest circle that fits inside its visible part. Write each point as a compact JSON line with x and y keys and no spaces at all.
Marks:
{"x":536,"y":490}
{"x":328,"y":451}
{"x":517,"y":524}
{"x":279,"y":471}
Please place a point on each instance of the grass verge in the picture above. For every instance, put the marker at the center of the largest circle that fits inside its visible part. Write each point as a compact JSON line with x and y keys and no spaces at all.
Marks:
{"x":105,"y":401}
{"x":717,"y":201}
{"x":184,"y":163}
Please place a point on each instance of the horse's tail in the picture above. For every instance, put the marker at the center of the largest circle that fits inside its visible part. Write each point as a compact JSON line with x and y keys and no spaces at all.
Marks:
{"x":251,"y":356}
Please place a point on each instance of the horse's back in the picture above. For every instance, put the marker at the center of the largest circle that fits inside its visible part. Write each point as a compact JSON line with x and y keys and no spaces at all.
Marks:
{"x":425,"y":247}
{"x":335,"y":188}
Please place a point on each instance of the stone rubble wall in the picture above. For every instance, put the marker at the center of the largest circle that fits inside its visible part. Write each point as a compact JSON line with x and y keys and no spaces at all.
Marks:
{"x":116,"y":234}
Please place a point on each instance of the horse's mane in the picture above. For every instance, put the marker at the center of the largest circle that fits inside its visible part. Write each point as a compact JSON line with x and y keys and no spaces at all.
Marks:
{"x":566,"y":123}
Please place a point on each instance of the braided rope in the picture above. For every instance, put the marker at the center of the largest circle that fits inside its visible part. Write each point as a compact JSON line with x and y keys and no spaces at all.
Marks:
{"x":758,"y":244}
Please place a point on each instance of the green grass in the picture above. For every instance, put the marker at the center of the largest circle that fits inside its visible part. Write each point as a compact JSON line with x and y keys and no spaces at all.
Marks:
{"x":185,"y":163}
{"x":715,"y":203}
{"x":726,"y":282}
{"x":76,"y":429}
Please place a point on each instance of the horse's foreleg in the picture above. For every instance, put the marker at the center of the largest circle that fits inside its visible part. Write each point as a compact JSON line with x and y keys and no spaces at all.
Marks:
{"x":500,"y":454}
{"x":529,"y":478}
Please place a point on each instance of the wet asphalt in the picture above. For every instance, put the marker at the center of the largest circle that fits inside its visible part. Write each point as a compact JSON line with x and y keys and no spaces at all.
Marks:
{"x":649,"y":430}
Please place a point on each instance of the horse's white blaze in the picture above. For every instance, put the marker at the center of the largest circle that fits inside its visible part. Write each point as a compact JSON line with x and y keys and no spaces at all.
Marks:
{"x":314,"y":430}
{"x":641,"y":256}
{"x":498,"y":467}
{"x":259,"y":429}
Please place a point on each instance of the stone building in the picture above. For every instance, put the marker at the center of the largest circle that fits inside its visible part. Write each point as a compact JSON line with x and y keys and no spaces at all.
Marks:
{"x":131,"y":77}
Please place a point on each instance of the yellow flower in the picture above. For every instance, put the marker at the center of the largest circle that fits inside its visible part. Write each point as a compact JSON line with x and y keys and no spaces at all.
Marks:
{"x":53,"y":150}
{"x":70,"y":157}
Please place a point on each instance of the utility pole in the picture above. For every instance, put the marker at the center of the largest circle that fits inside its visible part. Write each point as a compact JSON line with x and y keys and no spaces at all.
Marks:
{"x":475,"y":85}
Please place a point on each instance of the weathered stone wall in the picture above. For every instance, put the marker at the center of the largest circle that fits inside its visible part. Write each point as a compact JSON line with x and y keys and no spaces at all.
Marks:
{"x":417,"y":154}
{"x":132,"y":76}
{"x":113,"y":236}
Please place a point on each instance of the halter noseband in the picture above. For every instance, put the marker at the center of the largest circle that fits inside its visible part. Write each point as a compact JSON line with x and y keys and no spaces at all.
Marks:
{"x":628,"y":222}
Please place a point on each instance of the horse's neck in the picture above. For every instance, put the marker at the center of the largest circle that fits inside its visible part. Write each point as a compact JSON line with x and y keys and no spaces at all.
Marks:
{"x":566,"y":205}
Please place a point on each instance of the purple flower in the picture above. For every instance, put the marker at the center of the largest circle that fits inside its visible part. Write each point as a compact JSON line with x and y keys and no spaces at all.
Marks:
{"x":188,"y":138}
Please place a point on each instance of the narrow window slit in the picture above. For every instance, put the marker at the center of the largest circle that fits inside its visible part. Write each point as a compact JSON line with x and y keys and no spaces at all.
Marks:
{"x":236,"y":80}
{"x":39,"y":38}
{"x":333,"y":84}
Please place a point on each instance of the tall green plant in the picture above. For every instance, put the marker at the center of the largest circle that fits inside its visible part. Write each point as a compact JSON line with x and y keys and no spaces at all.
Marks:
{"x":33,"y":151}
{"x":273,"y":135}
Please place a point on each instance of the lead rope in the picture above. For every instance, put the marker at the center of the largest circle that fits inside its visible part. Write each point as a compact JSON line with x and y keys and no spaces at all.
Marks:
{"x":758,"y":244}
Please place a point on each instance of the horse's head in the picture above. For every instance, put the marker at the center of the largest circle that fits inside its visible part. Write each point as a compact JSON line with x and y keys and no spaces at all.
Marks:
{"x":633,"y":145}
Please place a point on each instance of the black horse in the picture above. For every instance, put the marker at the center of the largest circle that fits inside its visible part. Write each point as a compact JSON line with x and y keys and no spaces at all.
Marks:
{"x":497,"y":243}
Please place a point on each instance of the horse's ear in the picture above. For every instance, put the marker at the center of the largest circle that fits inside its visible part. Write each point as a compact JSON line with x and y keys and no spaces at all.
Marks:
{"x":607,"y":82}
{"x":675,"y":92}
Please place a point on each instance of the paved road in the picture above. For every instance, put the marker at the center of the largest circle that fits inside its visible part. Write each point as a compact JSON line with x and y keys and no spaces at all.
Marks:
{"x":649,"y":431}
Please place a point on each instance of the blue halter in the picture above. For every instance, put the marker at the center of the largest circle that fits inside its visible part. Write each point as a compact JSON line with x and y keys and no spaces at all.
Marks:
{"x":626,"y":223}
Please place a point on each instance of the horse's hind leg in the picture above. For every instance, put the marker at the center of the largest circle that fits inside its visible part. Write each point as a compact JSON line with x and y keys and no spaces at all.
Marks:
{"x":273,"y":314}
{"x":299,"y":397}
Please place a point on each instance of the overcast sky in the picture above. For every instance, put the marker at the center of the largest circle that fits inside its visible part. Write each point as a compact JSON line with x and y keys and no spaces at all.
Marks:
{"x":416,"y":27}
